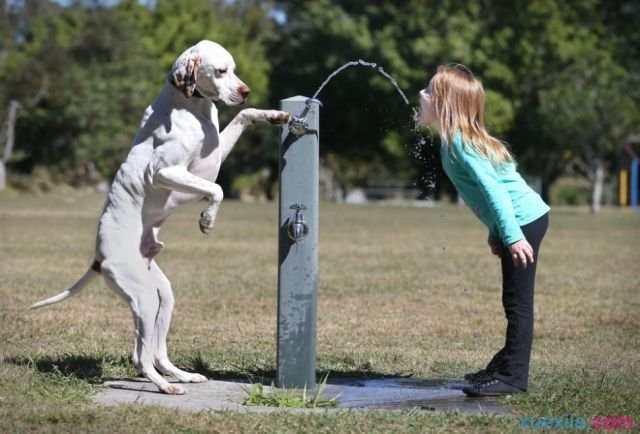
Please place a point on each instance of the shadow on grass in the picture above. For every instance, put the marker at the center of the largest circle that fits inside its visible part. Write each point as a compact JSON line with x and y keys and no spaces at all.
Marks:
{"x":86,"y":368}
{"x":357,"y":377}
{"x":91,"y":369}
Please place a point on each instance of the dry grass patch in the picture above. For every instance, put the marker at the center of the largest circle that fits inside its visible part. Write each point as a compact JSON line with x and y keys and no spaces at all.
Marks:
{"x":402,"y":291}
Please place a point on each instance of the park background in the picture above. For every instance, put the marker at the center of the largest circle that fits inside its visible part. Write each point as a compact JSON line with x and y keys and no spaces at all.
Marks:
{"x":403,"y":290}
{"x":561,"y":77}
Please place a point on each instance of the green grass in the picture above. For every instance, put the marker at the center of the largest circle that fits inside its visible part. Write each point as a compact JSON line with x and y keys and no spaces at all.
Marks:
{"x":402,"y":291}
{"x":289,"y":398}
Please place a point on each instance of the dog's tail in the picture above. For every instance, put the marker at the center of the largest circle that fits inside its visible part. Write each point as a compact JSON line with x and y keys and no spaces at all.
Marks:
{"x":91,"y":273}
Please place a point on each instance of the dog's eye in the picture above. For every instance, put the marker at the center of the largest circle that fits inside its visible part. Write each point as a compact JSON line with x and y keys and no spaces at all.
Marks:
{"x":221,"y":71}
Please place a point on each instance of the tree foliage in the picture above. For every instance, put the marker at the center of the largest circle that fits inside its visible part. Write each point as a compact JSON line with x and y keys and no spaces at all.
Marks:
{"x":561,"y":76}
{"x":99,"y":67}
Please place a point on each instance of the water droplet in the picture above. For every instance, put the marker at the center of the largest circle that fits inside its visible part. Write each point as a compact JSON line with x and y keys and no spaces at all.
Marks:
{"x":423,"y":151}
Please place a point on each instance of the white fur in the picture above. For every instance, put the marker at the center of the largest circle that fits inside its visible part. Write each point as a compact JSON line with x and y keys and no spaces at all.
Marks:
{"x":175,"y":159}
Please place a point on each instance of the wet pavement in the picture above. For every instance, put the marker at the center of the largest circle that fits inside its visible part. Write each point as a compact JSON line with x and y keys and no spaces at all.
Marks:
{"x":384,"y":393}
{"x":410,"y":392}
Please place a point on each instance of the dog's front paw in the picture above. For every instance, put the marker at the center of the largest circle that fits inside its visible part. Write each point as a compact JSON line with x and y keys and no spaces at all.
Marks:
{"x":206,"y":222}
{"x":277,"y":116}
{"x":252,"y":115}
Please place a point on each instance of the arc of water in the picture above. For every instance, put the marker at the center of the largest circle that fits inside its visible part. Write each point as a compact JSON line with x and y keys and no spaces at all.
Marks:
{"x":421,"y":150}
{"x":361,"y":62}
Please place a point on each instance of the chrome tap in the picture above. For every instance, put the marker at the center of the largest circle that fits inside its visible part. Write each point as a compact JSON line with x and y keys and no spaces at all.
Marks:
{"x":297,"y":228}
{"x":299,"y":125}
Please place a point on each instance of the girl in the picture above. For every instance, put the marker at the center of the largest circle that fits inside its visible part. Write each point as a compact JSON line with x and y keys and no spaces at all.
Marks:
{"x":484,"y":173}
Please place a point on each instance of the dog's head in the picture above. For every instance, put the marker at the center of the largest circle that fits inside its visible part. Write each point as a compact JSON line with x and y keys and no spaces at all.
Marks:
{"x":208,"y":69}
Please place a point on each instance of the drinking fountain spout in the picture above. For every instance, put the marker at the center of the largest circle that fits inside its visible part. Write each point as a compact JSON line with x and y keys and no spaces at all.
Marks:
{"x":299,"y":125}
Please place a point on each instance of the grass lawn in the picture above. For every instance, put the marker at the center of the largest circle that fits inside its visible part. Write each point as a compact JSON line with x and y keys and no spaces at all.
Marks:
{"x":402,"y":291}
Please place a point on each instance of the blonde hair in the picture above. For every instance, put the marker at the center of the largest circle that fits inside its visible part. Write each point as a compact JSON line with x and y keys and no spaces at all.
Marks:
{"x":458,"y":99}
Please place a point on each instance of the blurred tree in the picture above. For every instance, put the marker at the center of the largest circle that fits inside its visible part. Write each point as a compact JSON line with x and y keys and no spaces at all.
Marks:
{"x":592,"y":108}
{"x":519,"y":49}
{"x":552,"y":52}
{"x":101,"y":80}
{"x":23,"y":87}
{"x":547,"y":47}
{"x":105,"y":63}
{"x":84,"y":72}
{"x":541,"y":43}
{"x":366,"y":128}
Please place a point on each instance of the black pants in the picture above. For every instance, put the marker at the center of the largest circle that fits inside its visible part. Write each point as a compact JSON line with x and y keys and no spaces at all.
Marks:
{"x":511,"y":363}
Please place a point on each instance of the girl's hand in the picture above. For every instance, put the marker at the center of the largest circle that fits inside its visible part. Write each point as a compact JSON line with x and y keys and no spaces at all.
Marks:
{"x":495,"y":246}
{"x":521,"y":253}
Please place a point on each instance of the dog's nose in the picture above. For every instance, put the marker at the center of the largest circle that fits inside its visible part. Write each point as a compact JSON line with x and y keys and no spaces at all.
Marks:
{"x":244,"y":91}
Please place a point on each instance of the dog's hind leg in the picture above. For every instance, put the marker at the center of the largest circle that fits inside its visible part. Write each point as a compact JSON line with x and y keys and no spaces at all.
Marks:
{"x":132,"y":280}
{"x":162,"y":325}
{"x":135,"y":357}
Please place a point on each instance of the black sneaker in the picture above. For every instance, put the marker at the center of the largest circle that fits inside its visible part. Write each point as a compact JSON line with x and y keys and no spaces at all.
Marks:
{"x":479,"y":377}
{"x":493,"y":387}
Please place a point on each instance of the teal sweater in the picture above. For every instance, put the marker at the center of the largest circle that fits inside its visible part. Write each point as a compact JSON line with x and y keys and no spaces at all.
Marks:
{"x":498,"y":195}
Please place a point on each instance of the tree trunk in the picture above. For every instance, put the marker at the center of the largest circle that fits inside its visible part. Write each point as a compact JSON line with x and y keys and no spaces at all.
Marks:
{"x":8,"y":146}
{"x":3,"y":176}
{"x":547,"y":183}
{"x":597,"y":186}
{"x":545,"y":189}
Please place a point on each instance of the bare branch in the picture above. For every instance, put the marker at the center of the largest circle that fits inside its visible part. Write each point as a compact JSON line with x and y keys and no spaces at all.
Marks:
{"x":42,"y":92}
{"x":582,"y":168}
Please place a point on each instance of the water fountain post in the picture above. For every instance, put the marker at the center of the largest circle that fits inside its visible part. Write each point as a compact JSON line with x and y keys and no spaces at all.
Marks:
{"x":298,"y":245}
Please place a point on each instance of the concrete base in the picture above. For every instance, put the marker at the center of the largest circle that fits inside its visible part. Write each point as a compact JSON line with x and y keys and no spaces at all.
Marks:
{"x":353,"y":394}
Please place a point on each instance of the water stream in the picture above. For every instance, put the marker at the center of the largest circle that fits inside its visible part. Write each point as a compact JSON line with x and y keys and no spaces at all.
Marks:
{"x":422,"y":151}
{"x":361,"y":62}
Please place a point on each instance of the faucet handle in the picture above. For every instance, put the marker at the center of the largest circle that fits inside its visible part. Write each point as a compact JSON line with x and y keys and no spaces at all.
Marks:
{"x":297,"y":229}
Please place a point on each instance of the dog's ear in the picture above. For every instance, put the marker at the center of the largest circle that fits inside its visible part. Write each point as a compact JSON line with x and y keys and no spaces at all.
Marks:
{"x":184,"y":74}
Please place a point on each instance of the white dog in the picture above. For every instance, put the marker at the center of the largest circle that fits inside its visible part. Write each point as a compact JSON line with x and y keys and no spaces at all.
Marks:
{"x":175,"y":159}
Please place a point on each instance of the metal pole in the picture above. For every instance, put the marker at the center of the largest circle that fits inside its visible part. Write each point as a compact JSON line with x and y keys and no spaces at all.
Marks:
{"x":298,"y":247}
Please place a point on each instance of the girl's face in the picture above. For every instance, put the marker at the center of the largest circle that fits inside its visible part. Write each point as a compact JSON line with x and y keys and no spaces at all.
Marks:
{"x":427,"y":116}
